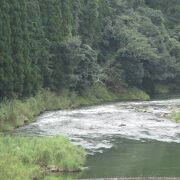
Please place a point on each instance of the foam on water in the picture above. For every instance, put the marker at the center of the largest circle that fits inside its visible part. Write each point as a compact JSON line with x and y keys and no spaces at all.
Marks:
{"x":95,"y":127}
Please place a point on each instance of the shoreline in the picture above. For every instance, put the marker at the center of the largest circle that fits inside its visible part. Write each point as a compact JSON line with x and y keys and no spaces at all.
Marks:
{"x":17,"y":113}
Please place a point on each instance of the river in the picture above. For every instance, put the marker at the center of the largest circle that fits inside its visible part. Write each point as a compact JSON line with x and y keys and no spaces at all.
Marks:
{"x":122,"y":139}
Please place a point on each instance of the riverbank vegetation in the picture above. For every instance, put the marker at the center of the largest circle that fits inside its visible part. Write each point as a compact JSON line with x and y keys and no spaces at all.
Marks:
{"x":84,"y":52}
{"x":70,"y":53}
{"x":23,"y":158}
{"x":16,"y":113}
{"x":74,"y":44}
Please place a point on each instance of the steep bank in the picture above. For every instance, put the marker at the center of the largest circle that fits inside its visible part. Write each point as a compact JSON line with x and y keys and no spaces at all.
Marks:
{"x":19,"y":112}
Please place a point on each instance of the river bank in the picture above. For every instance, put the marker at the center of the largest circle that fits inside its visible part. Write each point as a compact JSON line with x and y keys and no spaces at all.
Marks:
{"x":122,"y":139}
{"x":17,"y":113}
{"x":19,"y":155}
{"x":23,"y":158}
{"x":20,"y":112}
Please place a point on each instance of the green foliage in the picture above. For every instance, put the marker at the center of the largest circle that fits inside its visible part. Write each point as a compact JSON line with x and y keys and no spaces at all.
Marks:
{"x":17,"y":112}
{"x":23,"y":157}
{"x":161,"y":89}
{"x":89,"y":25}
{"x":6,"y":70}
{"x":73,"y":44}
{"x":12,"y":168}
{"x":38,"y":47}
{"x":133,"y":94}
{"x":171,"y":10}
{"x":79,"y":62}
{"x":58,"y":178}
{"x":85,"y":52}
{"x":175,"y":116}
{"x":136,"y":44}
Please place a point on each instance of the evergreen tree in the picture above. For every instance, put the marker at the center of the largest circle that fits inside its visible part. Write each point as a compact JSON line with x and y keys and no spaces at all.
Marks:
{"x":6,"y":65}
{"x":29,"y":79}
{"x":17,"y":45}
{"x":52,"y":20}
{"x":89,"y":23}
{"x":67,"y":17}
{"x":38,"y":47}
{"x":77,"y":12}
{"x":63,"y":43}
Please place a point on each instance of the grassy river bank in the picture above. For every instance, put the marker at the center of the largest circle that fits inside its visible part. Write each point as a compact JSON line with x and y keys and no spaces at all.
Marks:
{"x":23,"y":158}
{"x":28,"y":158}
{"x":17,"y":113}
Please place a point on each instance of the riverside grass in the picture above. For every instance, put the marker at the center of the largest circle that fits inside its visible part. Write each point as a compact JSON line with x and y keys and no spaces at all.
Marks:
{"x":16,"y":113}
{"x":23,"y":158}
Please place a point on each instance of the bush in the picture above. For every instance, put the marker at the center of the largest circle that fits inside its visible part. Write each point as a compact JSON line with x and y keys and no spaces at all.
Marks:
{"x":161,"y":89}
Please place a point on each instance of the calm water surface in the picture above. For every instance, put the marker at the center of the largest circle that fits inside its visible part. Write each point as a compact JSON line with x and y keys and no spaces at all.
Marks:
{"x":130,"y":158}
{"x":122,"y":139}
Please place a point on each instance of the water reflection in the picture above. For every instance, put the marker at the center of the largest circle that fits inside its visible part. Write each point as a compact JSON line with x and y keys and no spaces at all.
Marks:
{"x":130,"y":158}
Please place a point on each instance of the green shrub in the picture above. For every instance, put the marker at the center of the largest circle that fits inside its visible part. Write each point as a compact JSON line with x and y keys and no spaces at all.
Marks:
{"x":161,"y":89}
{"x":133,"y":94}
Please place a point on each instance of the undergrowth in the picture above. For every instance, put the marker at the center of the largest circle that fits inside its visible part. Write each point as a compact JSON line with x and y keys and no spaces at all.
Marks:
{"x":24,"y":158}
{"x":16,"y":113}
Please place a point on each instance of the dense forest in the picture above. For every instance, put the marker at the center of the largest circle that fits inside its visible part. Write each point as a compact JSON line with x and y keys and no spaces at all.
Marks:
{"x":64,"y":54}
{"x":72,"y":44}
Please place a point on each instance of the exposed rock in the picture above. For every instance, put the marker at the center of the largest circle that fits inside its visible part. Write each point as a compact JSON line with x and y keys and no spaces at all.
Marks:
{"x":55,"y":169}
{"x":73,"y":170}
{"x":163,"y":115}
{"x":23,"y":118}
{"x":122,"y":125}
{"x":159,"y":120}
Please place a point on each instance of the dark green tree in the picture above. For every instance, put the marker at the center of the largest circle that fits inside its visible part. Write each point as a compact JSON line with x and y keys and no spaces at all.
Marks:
{"x":6,"y":65}
{"x":38,"y":47}
{"x":17,"y":46}
{"x":79,"y":62}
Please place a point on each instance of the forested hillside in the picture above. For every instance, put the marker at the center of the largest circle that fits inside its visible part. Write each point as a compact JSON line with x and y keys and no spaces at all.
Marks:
{"x":72,"y":44}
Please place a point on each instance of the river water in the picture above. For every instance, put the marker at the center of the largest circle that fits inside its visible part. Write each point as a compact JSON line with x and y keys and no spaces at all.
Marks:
{"x":122,"y":139}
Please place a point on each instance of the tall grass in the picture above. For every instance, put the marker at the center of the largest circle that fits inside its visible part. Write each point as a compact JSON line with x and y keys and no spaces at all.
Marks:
{"x":13,"y":169}
{"x":25,"y":158}
{"x":16,"y":113}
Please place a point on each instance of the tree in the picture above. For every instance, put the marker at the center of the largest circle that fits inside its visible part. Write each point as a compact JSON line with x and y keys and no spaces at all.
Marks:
{"x":6,"y":66}
{"x":89,"y":24}
{"x":17,"y":45}
{"x":38,"y":47}
{"x":79,"y":62}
